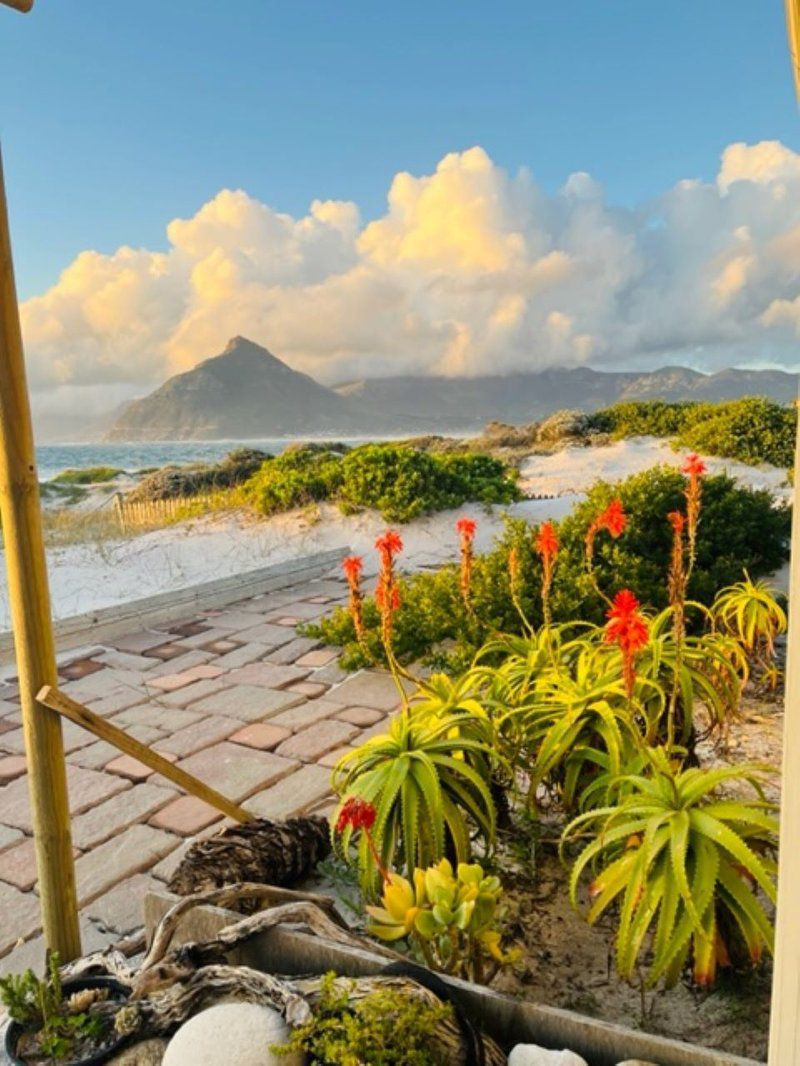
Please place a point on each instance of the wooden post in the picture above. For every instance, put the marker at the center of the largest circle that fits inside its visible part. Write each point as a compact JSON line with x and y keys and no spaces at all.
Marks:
{"x":112,"y":734}
{"x":29,"y":599}
{"x":784,"y":1040}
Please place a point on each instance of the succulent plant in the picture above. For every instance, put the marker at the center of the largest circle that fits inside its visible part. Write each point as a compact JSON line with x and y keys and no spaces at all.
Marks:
{"x":449,"y":916}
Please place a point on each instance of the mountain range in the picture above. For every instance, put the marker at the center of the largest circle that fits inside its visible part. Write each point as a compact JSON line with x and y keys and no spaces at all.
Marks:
{"x":248,"y":393}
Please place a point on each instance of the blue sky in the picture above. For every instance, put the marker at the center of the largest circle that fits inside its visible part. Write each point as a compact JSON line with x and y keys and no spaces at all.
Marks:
{"x":118,"y":116}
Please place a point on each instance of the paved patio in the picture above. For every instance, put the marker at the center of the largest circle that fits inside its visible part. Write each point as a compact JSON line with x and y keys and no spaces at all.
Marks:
{"x":236,"y":697}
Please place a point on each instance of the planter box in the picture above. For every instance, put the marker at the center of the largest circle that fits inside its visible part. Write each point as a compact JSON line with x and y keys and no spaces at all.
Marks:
{"x":510,"y":1021}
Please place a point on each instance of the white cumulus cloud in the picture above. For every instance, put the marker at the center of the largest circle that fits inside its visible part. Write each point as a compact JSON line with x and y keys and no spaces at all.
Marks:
{"x":469,"y":270}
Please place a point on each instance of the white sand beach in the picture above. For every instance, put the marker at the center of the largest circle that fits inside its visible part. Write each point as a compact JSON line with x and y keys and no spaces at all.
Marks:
{"x":92,"y":575}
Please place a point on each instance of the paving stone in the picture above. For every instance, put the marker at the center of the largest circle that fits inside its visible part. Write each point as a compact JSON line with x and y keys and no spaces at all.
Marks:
{"x":190,"y":628}
{"x":292,"y":795}
{"x":134,"y":849}
{"x":208,"y":637}
{"x":377,"y":730}
{"x":200,"y":735}
{"x":306,"y":714}
{"x":311,"y":689}
{"x":144,"y":640}
{"x":122,"y":909}
{"x":170,"y":649}
{"x":313,"y":742}
{"x":332,"y":674}
{"x":318,"y":657}
{"x":170,"y":682}
{"x":75,"y":736}
{"x":186,"y":816}
{"x":134,"y":805}
{"x":119,"y":700}
{"x":96,"y":756}
{"x":289,"y":620}
{"x":332,"y":758}
{"x":18,"y":865}
{"x":190,"y":658}
{"x":31,"y":954}
{"x":221,"y":647}
{"x":236,"y":771}
{"x":249,"y":703}
{"x":130,"y":768}
{"x":204,"y":671}
{"x":301,"y":610}
{"x":268,"y":675}
{"x":125,"y":660}
{"x":90,"y":690}
{"x":261,"y":735}
{"x":8,"y":836}
{"x":78,"y":668}
{"x":185,"y":697}
{"x":12,"y":766}
{"x":165,"y":719}
{"x":235,"y":621}
{"x":86,"y":788}
{"x":368,"y":689}
{"x":241,"y":656}
{"x":273,"y":636}
{"x":292,"y":652}
{"x":361,"y":716}
{"x":20,"y":912}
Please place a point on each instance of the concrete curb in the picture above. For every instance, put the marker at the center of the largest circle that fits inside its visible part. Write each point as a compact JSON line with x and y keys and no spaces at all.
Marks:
{"x":93,"y":627}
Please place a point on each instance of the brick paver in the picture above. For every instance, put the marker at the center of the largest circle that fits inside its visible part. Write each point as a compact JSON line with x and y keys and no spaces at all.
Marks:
{"x":234,"y":695}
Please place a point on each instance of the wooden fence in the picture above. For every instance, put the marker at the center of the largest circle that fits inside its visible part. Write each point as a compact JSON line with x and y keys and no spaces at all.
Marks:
{"x":133,"y":514}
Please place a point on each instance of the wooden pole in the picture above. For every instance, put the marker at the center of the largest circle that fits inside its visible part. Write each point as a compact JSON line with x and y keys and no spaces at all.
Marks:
{"x":112,"y":734}
{"x":18,"y":5}
{"x":29,"y":599}
{"x":784,"y":1040}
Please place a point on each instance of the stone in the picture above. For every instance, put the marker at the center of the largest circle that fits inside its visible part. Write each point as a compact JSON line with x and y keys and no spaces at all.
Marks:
{"x":312,"y":689}
{"x":268,"y":675}
{"x":86,"y":788}
{"x":9,"y":836}
{"x":122,"y":909}
{"x":534,"y":1055}
{"x":164,"y":719}
{"x":18,"y":865}
{"x":368,"y":689}
{"x":333,"y":757}
{"x":171,"y":682}
{"x":297,"y":718}
{"x":294,"y":794}
{"x":127,"y":766}
{"x":185,"y":816}
{"x":12,"y":766}
{"x":240,"y":1033}
{"x":235,"y":771}
{"x":318,"y":657}
{"x":135,"y":849}
{"x":261,"y":735}
{"x":186,"y":697}
{"x":250,"y":703}
{"x":145,"y":1053}
{"x":361,"y":716}
{"x":294,"y":651}
{"x":20,"y":912}
{"x":138,"y":643}
{"x":315,"y":741}
{"x":200,"y":735}
{"x":136,"y":804}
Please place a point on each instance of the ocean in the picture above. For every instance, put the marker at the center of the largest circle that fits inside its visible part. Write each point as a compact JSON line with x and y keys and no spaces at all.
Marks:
{"x":138,"y":455}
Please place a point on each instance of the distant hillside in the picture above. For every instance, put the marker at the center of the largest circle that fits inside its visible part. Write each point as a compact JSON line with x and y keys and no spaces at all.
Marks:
{"x":521,"y":398}
{"x":243,"y":393}
{"x":247,"y":393}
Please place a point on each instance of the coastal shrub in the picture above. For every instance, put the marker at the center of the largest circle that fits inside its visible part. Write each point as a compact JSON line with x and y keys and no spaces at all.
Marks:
{"x":752,"y":429}
{"x":399,"y":481}
{"x":177,"y":482}
{"x":297,"y":477}
{"x":740,"y":529}
{"x":90,"y":475}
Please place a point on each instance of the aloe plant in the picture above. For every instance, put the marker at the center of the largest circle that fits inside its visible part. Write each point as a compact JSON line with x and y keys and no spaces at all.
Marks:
{"x":450,"y":916}
{"x":428,"y":779}
{"x":683,"y":865}
{"x":749,"y":611}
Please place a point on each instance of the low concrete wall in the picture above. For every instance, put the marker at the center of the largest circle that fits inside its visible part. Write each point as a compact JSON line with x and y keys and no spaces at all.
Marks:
{"x":94,"y":627}
{"x":510,"y":1021}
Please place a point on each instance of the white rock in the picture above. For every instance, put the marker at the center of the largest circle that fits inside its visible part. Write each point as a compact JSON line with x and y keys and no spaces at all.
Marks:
{"x":533,"y":1055}
{"x":230,"y":1033}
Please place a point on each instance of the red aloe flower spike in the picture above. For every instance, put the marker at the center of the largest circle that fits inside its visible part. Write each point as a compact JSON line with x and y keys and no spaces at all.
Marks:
{"x":677,"y":520}
{"x":613,"y":519}
{"x":628,"y":629}
{"x":694,"y":466}
{"x":352,"y":566}
{"x":466,"y":530}
{"x":387,"y":595}
{"x":546,"y":544}
{"x":359,"y":814}
{"x":389,"y":544}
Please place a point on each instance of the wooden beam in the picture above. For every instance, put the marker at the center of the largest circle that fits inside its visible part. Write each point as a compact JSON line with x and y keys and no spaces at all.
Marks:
{"x":793,"y":33}
{"x":784,"y":1041}
{"x":18,"y":5}
{"x":29,"y":599}
{"x":95,"y":723}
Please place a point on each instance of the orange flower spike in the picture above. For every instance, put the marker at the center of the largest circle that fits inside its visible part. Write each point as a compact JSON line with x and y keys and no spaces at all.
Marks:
{"x":352,"y":566}
{"x":546,"y":543}
{"x":694,"y":466}
{"x":387,"y":595}
{"x":389,"y":544}
{"x":677,"y":520}
{"x":466,"y":531}
{"x":627,"y":627}
{"x":613,"y":519}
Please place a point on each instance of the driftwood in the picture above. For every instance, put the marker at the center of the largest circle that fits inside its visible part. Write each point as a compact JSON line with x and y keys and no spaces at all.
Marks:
{"x":171,"y":986}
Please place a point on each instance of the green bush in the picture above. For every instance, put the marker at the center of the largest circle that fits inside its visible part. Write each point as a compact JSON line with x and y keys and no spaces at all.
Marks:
{"x":177,"y":482}
{"x":752,"y":430}
{"x":90,"y":475}
{"x":739,"y":529}
{"x":395,"y":479}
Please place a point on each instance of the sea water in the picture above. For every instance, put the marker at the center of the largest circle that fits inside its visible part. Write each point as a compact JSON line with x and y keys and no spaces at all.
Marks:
{"x":139,"y":455}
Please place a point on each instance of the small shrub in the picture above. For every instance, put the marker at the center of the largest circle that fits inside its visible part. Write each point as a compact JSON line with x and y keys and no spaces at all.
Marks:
{"x":294,"y":479}
{"x":384,"y":1028}
{"x":91,"y":475}
{"x":176,"y":482}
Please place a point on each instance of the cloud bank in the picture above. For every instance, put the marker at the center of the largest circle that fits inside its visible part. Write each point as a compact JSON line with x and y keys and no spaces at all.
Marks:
{"x":470,"y":270}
